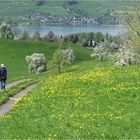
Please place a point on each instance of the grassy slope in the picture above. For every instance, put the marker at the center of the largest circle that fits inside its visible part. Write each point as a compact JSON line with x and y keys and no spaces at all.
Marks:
{"x":13,"y":53}
{"x":90,"y":100}
{"x":97,"y":8}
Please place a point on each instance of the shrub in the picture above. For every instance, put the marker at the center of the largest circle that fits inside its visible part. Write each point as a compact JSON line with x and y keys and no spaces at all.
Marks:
{"x":51,"y":37}
{"x":126,"y":55}
{"x":36,"y":63}
{"x":84,"y":43}
{"x":6,"y":32}
{"x":24,"y":35}
{"x":36,"y":36}
{"x":100,"y":52}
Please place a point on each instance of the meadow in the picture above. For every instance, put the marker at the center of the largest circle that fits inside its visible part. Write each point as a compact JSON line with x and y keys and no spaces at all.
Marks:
{"x":88,"y":100}
{"x":13,"y":54}
{"x":98,"y":7}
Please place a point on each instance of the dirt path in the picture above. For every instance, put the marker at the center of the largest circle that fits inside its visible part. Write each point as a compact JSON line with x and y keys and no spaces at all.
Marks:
{"x":8,"y":86}
{"x":6,"y":107}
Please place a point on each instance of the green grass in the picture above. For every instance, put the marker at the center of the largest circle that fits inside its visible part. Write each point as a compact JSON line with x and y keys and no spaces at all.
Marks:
{"x":98,"y":8}
{"x":13,"y":53}
{"x":90,"y":100}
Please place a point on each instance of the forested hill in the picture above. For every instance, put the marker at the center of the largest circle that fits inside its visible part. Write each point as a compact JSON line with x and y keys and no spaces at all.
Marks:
{"x":17,"y":10}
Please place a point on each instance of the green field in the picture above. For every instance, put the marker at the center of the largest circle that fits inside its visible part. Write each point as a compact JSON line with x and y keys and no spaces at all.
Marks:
{"x":90,"y":99}
{"x":13,"y":54}
{"x":15,"y":9}
{"x":98,"y":7}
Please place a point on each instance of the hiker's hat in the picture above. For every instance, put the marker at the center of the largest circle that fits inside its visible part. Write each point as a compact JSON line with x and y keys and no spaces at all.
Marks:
{"x":2,"y":66}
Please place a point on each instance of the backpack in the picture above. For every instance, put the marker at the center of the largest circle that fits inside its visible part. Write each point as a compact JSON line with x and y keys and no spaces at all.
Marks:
{"x":3,"y":74}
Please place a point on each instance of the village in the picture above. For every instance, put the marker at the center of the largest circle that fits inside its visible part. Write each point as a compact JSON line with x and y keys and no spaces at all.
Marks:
{"x":48,"y":18}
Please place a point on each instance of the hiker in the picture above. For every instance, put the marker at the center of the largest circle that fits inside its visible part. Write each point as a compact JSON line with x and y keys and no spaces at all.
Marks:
{"x":3,"y":76}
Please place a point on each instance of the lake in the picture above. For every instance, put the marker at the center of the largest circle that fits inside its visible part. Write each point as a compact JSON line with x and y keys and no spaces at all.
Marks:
{"x":65,"y":30}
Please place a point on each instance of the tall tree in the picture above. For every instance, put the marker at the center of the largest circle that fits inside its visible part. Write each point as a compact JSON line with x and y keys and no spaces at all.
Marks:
{"x":61,"y":58}
{"x":134,"y":29}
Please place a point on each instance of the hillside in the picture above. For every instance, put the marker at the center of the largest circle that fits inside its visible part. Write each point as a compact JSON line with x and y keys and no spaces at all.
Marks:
{"x":13,"y":53}
{"x":90,"y":100}
{"x":14,"y":10}
{"x":96,"y":97}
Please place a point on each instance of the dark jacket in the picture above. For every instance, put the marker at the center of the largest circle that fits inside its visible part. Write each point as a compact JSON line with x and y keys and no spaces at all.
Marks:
{"x":3,"y":74}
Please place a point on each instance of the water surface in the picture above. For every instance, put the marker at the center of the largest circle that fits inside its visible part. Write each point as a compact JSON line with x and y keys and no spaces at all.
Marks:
{"x":65,"y":30}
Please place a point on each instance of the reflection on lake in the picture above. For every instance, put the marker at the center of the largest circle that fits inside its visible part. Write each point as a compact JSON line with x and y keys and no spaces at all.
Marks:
{"x":65,"y":30}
